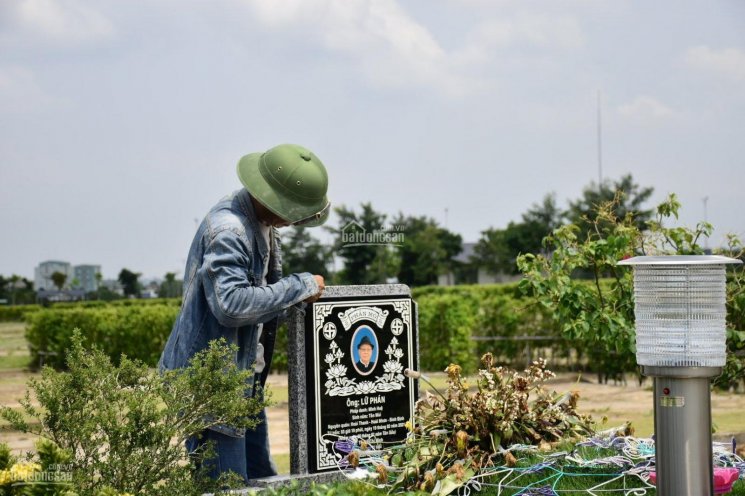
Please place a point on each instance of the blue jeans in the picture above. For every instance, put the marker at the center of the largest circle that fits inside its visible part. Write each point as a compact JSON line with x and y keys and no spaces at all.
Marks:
{"x":248,"y":456}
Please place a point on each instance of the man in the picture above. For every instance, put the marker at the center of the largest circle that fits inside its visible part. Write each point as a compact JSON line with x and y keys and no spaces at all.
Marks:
{"x":365,"y":350}
{"x":234,"y":289}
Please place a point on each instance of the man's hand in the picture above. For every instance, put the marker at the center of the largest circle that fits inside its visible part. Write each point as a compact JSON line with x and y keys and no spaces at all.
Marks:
{"x":321,"y":287}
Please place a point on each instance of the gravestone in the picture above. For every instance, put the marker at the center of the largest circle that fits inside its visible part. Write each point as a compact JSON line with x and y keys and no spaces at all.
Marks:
{"x":347,"y":356}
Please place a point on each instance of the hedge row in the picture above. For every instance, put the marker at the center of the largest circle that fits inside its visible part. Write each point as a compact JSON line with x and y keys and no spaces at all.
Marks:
{"x":17,"y":313}
{"x":137,"y":331}
{"x":449,"y":319}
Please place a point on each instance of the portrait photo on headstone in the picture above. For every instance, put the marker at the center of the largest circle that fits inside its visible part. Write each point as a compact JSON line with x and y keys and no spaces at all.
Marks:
{"x":364,"y":350}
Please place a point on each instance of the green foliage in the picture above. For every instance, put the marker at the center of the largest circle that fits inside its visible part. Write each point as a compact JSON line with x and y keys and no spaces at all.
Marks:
{"x":17,"y":290}
{"x":59,"y":278}
{"x":342,"y":488}
{"x":450,"y":317}
{"x":170,"y":287}
{"x":139,"y":332}
{"x":600,"y":317}
{"x":301,"y":252}
{"x":124,"y":426}
{"x":498,"y":249}
{"x":363,"y":264}
{"x":129,"y":282}
{"x":427,"y":250}
{"x":17,"y":313}
{"x":626,"y":196}
{"x":446,"y":324}
{"x":44,"y":473}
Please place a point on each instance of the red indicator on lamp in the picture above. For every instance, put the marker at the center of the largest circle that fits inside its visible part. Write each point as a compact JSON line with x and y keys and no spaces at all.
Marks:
{"x":666,"y":391}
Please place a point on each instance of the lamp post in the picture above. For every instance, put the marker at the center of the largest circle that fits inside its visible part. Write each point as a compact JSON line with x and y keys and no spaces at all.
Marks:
{"x":681,"y":343}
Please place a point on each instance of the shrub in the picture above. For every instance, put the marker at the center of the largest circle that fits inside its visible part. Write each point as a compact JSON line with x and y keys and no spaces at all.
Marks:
{"x":140,"y":332}
{"x":124,"y":426}
{"x":446,"y":325}
{"x":17,"y":313}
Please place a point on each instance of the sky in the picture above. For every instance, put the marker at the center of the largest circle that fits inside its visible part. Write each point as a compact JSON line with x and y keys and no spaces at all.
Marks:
{"x":121,"y":122}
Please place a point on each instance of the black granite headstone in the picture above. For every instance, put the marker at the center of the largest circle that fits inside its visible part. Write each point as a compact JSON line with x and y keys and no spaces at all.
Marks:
{"x":357,"y":348}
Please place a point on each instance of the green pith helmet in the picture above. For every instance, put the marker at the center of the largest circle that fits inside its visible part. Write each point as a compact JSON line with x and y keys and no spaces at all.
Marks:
{"x":290,"y":181}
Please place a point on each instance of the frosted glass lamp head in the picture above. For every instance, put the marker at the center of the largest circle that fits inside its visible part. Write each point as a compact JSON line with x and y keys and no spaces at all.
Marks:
{"x":680,"y":310}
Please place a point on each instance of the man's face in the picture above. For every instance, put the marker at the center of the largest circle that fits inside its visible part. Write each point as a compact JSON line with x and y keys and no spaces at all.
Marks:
{"x":365,"y":353}
{"x":267,"y":216}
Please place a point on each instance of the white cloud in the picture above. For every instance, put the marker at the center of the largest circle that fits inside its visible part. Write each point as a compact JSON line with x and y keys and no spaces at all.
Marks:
{"x":60,"y":20}
{"x":386,"y":44}
{"x":392,"y":49}
{"x":729,"y":62}
{"x":537,"y":30}
{"x":645,"y":108}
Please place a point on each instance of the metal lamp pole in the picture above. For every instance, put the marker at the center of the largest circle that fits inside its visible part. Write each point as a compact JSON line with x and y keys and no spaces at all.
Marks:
{"x":681,"y":343}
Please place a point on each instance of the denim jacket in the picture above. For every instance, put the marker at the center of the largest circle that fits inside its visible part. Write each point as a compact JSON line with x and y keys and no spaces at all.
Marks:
{"x":223,"y":296}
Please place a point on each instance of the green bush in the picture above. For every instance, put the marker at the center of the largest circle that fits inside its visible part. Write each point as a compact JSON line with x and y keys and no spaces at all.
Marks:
{"x":446,"y":325}
{"x":17,"y":313}
{"x":122,"y":428}
{"x":140,"y":332}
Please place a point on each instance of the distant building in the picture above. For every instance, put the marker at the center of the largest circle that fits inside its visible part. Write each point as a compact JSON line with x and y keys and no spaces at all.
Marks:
{"x":469,"y":272}
{"x":86,"y":276}
{"x":43,"y":274}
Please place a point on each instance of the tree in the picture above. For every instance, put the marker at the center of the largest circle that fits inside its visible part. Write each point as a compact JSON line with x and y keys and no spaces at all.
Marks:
{"x":626,"y":196}
{"x":14,"y":280}
{"x":59,"y":278}
{"x":492,"y":252}
{"x":427,"y":250}
{"x":497,"y":249}
{"x":301,"y":252}
{"x":99,"y":279}
{"x":170,"y":287}
{"x":129,"y":282}
{"x":366,"y":261}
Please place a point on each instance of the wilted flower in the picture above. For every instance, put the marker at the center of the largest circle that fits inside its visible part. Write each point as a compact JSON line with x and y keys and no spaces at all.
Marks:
{"x":461,"y":442}
{"x":458,"y":470}
{"x":487,"y":360}
{"x":429,"y":482}
{"x":510,"y":460}
{"x":354,"y":458}
{"x":382,"y":473}
{"x":453,"y":370}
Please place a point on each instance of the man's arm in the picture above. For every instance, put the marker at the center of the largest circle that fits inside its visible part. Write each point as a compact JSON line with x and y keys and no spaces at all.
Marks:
{"x":234,"y":298}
